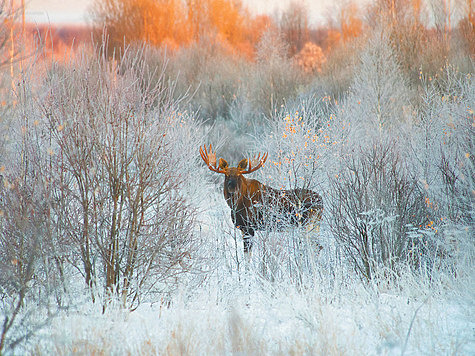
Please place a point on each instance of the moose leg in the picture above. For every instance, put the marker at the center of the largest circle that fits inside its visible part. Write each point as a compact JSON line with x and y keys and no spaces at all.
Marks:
{"x":313,"y":229}
{"x":240,"y":221}
{"x":247,"y":235}
{"x":247,"y":240}
{"x":247,"y":244}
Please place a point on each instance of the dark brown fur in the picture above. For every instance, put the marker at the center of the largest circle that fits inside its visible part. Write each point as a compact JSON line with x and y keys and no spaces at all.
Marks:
{"x":255,"y":206}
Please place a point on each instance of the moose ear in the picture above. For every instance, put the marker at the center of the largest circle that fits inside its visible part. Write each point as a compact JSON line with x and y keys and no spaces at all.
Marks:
{"x":242,"y":166}
{"x":223,"y":164}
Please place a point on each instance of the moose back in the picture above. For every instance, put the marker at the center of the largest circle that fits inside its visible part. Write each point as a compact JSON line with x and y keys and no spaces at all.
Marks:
{"x":256,"y":206}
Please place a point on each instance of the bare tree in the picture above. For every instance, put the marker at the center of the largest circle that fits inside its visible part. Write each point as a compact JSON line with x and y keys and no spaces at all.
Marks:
{"x":117,"y":168}
{"x":25,"y":249}
{"x":294,"y":26}
{"x":277,"y":77}
{"x":7,"y":18}
{"x":379,"y":91}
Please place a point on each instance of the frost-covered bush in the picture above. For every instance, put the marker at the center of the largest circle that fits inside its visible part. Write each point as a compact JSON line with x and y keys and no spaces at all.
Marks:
{"x":97,"y":188}
{"x":210,"y":76}
{"x":299,"y":147}
{"x":120,"y":164}
{"x":443,"y":147}
{"x":379,"y":97}
{"x":434,"y":141}
{"x":380,"y":208}
{"x":275,"y":78}
{"x":376,"y":204}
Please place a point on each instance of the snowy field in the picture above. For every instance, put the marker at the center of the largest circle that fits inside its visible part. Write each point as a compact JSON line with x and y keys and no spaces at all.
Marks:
{"x":231,"y":312}
{"x":254,"y":321}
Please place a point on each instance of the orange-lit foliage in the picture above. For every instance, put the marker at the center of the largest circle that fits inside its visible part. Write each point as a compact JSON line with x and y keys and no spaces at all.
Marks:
{"x":49,"y":41}
{"x":154,"y":21}
{"x":176,"y":23}
{"x":227,"y":18}
{"x":333,"y":38}
{"x":227,"y":21}
{"x":310,"y":58}
{"x":163,"y":22}
{"x":351,"y":25}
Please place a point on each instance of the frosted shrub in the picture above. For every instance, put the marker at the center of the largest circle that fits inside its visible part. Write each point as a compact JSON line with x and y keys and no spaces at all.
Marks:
{"x":276,"y":78}
{"x":121,"y":160}
{"x":378,"y":212}
{"x":298,"y":145}
{"x":379,"y":95}
{"x":28,"y":241}
{"x":445,"y":156}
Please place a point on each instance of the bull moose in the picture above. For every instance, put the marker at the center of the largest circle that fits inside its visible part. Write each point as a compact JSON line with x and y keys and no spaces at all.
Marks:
{"x":256,"y":206}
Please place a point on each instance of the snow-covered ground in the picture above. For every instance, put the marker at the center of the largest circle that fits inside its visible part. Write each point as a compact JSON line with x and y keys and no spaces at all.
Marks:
{"x":240,"y":312}
{"x":256,"y":321}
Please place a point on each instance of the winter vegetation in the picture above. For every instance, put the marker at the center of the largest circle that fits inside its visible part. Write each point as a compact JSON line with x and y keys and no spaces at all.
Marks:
{"x":115,"y":237}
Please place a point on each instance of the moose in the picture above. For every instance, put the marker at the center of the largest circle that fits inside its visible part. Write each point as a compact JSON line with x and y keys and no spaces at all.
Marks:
{"x":256,"y":206}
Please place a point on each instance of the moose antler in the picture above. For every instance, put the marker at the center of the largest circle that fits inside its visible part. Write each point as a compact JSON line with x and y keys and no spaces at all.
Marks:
{"x":210,"y":159}
{"x":259,"y":159}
